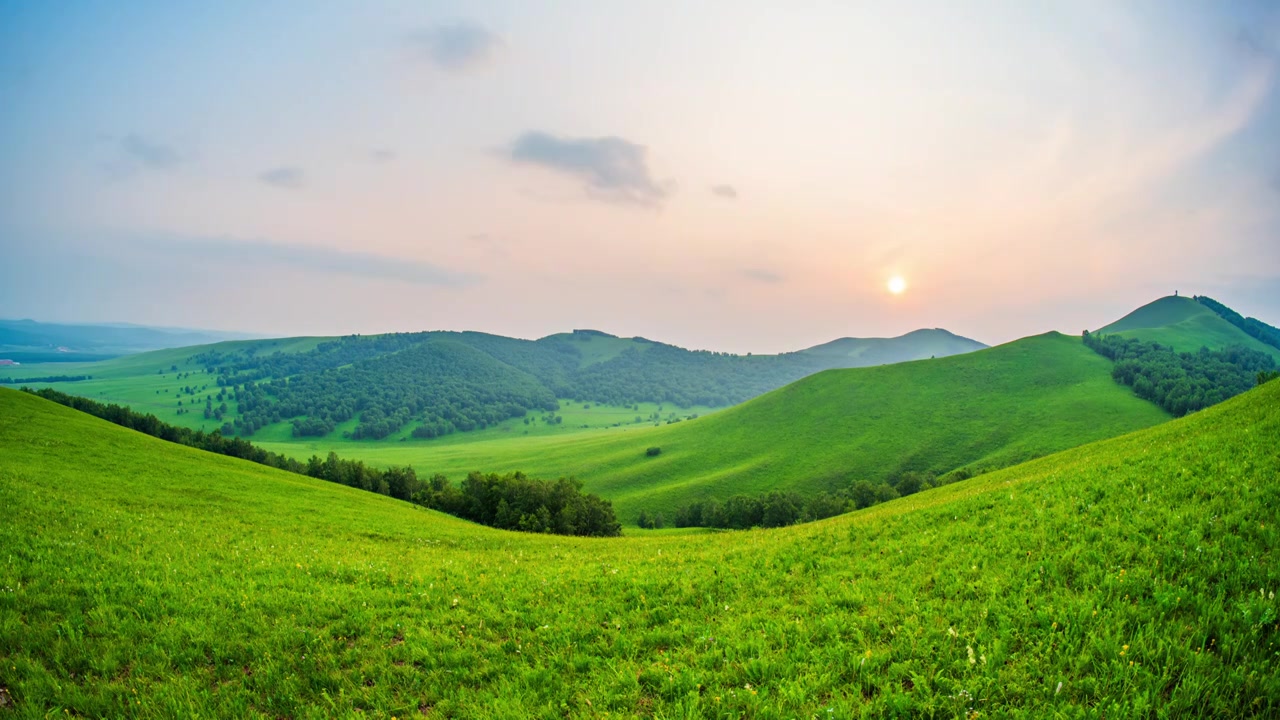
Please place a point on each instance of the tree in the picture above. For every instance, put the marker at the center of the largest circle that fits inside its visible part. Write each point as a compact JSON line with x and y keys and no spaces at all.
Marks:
{"x":863,"y":494}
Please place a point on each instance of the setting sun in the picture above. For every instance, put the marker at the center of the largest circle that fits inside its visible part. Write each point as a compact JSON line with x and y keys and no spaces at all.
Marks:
{"x":897,"y":285}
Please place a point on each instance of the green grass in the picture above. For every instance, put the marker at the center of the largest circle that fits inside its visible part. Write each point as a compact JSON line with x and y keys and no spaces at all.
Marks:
{"x":986,"y":409}
{"x":1133,"y":577}
{"x":1184,"y":325}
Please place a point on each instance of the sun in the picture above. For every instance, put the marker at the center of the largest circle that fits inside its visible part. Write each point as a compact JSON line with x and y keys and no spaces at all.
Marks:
{"x":897,"y":285}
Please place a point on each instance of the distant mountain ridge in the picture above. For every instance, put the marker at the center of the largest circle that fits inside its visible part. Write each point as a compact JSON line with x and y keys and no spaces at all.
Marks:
{"x":915,"y":345}
{"x":32,"y":341}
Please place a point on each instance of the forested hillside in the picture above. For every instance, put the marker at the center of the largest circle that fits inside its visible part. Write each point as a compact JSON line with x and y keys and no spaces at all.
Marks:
{"x":1181,"y":382}
{"x":1252,"y":327}
{"x":437,"y":383}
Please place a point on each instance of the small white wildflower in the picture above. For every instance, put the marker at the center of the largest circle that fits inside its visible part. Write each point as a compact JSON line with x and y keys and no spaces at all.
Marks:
{"x":1055,"y":692}
{"x":952,"y":632}
{"x":972,"y":659}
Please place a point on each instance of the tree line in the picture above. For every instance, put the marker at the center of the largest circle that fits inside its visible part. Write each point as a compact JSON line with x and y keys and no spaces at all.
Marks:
{"x":518,"y":502}
{"x":45,"y":379}
{"x":782,"y":508}
{"x":511,"y":502}
{"x":1252,"y":327}
{"x":1180,"y":382}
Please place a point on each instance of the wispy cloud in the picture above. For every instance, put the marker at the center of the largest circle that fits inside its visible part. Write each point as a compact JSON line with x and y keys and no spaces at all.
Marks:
{"x":457,"y":47}
{"x":762,"y":275}
{"x":320,"y":260}
{"x":149,"y":153}
{"x":287,"y":177}
{"x":613,"y":168}
{"x":728,"y":192}
{"x":382,"y":155}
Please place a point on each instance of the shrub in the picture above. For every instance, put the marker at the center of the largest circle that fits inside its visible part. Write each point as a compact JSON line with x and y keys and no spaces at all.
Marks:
{"x":653,"y":452}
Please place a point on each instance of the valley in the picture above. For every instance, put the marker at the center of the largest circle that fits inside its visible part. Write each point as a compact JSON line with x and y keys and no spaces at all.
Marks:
{"x":1124,"y":575}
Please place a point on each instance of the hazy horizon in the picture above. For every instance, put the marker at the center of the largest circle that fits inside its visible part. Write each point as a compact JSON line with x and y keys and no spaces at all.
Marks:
{"x":733,"y":176}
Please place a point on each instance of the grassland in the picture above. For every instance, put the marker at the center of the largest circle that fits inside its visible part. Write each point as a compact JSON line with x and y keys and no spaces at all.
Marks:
{"x":986,"y":409}
{"x":1184,"y":325}
{"x":1130,"y":577}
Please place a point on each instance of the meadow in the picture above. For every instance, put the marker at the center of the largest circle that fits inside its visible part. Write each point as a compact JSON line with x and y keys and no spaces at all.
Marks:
{"x":1130,"y":577}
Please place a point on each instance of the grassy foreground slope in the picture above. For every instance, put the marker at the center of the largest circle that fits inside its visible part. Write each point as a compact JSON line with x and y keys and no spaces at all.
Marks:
{"x":1184,"y":325}
{"x":1130,"y":577}
{"x":985,"y":409}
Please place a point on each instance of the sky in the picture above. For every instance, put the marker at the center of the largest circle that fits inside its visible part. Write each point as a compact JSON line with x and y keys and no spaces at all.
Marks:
{"x":738,"y":176}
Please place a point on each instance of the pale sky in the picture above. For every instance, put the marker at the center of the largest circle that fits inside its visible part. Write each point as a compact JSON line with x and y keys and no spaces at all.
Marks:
{"x":742,"y":176}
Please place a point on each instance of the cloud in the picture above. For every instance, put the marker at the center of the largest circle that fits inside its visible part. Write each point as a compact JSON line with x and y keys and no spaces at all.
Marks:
{"x":318,"y":259}
{"x":284,"y":177}
{"x":457,"y":47}
{"x":382,"y":155}
{"x":148,"y":153}
{"x":762,"y":275}
{"x":725,"y":191}
{"x":613,"y":168}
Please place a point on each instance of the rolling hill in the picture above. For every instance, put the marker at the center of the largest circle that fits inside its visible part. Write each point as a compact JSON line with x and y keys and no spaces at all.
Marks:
{"x":1133,"y":577}
{"x":430,"y":384}
{"x":1185,"y":325}
{"x":979,"y":410}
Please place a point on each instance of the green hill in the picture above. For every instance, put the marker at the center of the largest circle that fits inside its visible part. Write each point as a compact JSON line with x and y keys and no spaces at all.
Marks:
{"x":915,"y":345}
{"x":1185,"y":325}
{"x":980,"y":410}
{"x":1130,"y":577}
